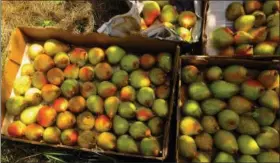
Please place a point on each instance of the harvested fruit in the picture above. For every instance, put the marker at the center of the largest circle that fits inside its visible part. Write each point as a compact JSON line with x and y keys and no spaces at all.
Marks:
{"x":146,"y":96}
{"x":102,"y":123}
{"x":27,"y":69}
{"x":187,"y":146}
{"x":65,"y":120}
{"x":69,"y":137}
{"x":234,"y":11}
{"x":260,"y":18}
{"x":150,"y":146}
{"x":33,"y":96}
{"x":85,"y":120}
{"x":187,"y":19}
{"x":53,"y":46}
{"x":165,"y":61}
{"x":120,"y":125}
{"x":147,"y":61}
{"x":248,"y":145}
{"x":228,"y":120}
{"x":111,"y":105}
{"x":156,"y":126}
{"x":87,"y":89}
{"x":61,"y":60}
{"x":264,"y":48}
{"x":235,"y":74}
{"x":247,"y":158}
{"x":16,"y":129}
{"x":222,"y":37}
{"x":46,"y":116}
{"x":50,"y":92}
{"x":268,"y":156}
{"x":225,"y":141}
{"x":224,"y":157}
{"x":126,"y":144}
{"x":86,"y":139}
{"x":34,"y":132}
{"x":77,"y":104}
{"x":269,"y":78}
{"x":270,"y":99}
{"x":151,"y":11}
{"x":22,"y":84}
{"x":192,"y":108}
{"x":15,"y":105}
{"x":144,"y":114}
{"x":168,"y":14}
{"x":52,"y":135}
{"x":244,"y":50}
{"x":190,"y":126}
{"x":34,"y":50}
{"x":223,"y":90}
{"x":96,"y":55}
{"x":157,"y":76}
{"x":189,"y":74}
{"x":71,"y":71}
{"x":107,"y":141}
{"x":60,"y":104}
{"x":106,"y":89}
{"x":214,"y":73}
{"x":204,"y":141}
{"x":55,"y":76}
{"x":114,"y":54}
{"x":43,"y":63}
{"x":268,"y":138}
{"x":252,"y":89}
{"x":184,"y":33}
{"x":247,"y":125}
{"x":127,"y":93}
{"x":251,"y":6}
{"x":162,"y":91}
{"x":69,"y":88}
{"x":210,"y":124}
{"x":138,"y":130}
{"x":120,"y":78}
{"x":95,"y":104}
{"x":139,"y":78}
{"x":29,"y":115}
{"x":160,"y":108}
{"x":103,"y":71}
{"x":39,"y":79}
{"x":130,"y":62}
{"x":264,"y":116}
{"x":78,"y":56}
{"x":127,"y":110}
{"x":270,"y":7}
{"x":244,"y":23}
{"x":86,"y":73}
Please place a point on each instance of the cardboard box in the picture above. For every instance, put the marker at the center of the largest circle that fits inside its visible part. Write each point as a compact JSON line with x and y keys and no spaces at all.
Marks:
{"x":22,"y":36}
{"x":202,"y":62}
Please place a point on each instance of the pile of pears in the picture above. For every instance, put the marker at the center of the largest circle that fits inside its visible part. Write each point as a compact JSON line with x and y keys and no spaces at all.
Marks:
{"x":256,"y":29}
{"x":181,"y":23}
{"x":92,"y":98}
{"x":229,"y":114}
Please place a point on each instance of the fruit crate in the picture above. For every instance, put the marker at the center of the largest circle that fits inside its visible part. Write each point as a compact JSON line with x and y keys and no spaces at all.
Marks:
{"x":215,"y":17}
{"x":23,"y":36}
{"x":203,"y":63}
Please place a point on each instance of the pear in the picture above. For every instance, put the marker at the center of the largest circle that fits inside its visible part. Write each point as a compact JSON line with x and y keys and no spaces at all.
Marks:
{"x":224,"y":157}
{"x":34,"y":50}
{"x":251,"y":89}
{"x":247,"y":125}
{"x":228,"y":119}
{"x":151,"y":11}
{"x":269,"y":78}
{"x":246,"y":159}
{"x":184,"y":33}
{"x":29,"y":115}
{"x":265,"y":48}
{"x":190,"y":126}
{"x":150,"y":147}
{"x":274,"y":34}
{"x":223,"y":90}
{"x":276,"y":125}
{"x":252,"y":5}
{"x":187,"y":146}
{"x":268,"y":138}
{"x":222,"y":37}
{"x":168,"y":14}
{"x":53,"y":46}
{"x":187,"y":19}
{"x":212,"y":106}
{"x":258,"y":34}
{"x":234,"y":11}
{"x":107,"y":141}
{"x":227,"y":51}
{"x":240,"y":104}
{"x":244,"y":23}
{"x":273,"y":20}
{"x":22,"y":84}
{"x":248,"y":145}
{"x":242,"y":37}
{"x":264,"y":116}
{"x":210,"y":124}
{"x":120,"y":125}
{"x":189,"y":74}
{"x":235,"y":74}
{"x":226,"y":141}
{"x":199,"y":91}
{"x":201,"y":157}
{"x":270,"y":7}
{"x":126,"y":144}
{"x":15,"y":105}
{"x":260,"y":18}
{"x":192,"y":108}
{"x":270,"y":99}
{"x":268,"y":157}
{"x":214,"y":73}
{"x":139,"y":130}
{"x":244,"y":50}
{"x":204,"y":141}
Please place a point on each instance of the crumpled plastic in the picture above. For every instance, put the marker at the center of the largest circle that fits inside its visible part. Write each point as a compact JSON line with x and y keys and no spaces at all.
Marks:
{"x":130,"y":23}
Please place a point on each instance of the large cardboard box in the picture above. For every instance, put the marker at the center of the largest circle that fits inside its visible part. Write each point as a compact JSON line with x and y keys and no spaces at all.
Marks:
{"x":23,"y":35}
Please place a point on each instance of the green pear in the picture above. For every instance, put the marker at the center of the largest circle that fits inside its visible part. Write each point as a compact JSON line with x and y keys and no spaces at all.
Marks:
{"x":246,"y":159}
{"x":199,"y":91}
{"x":120,"y":125}
{"x":252,"y":5}
{"x":251,"y":89}
{"x":187,"y":146}
{"x":234,"y":11}
{"x":223,"y":90}
{"x":29,"y":115}
{"x":276,"y":125}
{"x":150,"y":146}
{"x":212,"y":106}
{"x":270,"y":99}
{"x":14,"y":105}
{"x":268,"y":157}
{"x":247,"y":125}
{"x":240,"y":104}
{"x":192,"y":108}
{"x":268,"y":138}
{"x":214,"y":73}
{"x":210,"y":124}
{"x":184,"y":33}
{"x":270,"y":7}
{"x":226,"y":141}
{"x":168,"y":14}
{"x":204,"y":141}
{"x":22,"y":84}
{"x":269,"y":79}
{"x":126,"y":144}
{"x":190,"y":126}
{"x":273,"y":20}
{"x":139,"y":130}
{"x":223,"y":157}
{"x":264,"y":116}
{"x":228,"y":119}
{"x":244,"y":23}
{"x":264,"y":48}
{"x":274,"y":34}
{"x":235,"y":74}
{"x":201,"y":157}
{"x":222,"y":37}
{"x":248,"y":145}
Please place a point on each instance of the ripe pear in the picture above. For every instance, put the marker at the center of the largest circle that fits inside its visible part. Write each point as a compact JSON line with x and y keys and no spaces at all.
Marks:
{"x":187,"y":19}
{"x":269,"y":78}
{"x":146,"y":96}
{"x":246,"y":159}
{"x":199,"y":91}
{"x":53,"y":46}
{"x":225,"y":141}
{"x":247,"y":125}
{"x":222,"y":37}
{"x":107,"y":141}
{"x":252,"y":5}
{"x":240,"y":104}
{"x":168,"y":14}
{"x":139,"y":130}
{"x":201,"y":157}
{"x":244,"y":50}
{"x":160,"y":107}
{"x":33,"y":96}
{"x":234,"y":11}
{"x":16,"y":129}
{"x":22,"y":84}
{"x":52,"y":135}
{"x":34,"y":131}
{"x":228,"y":119}
{"x":151,"y":11}
{"x":258,"y":34}
{"x":242,"y":37}
{"x":34,"y":50}
{"x":264,"y":48}
{"x":29,"y":115}
{"x":223,"y":90}
{"x":165,"y":61}
{"x":270,"y":7}
{"x":210,"y":124}
{"x":252,"y":89}
{"x":235,"y":74}
{"x":268,"y":138}
{"x":264,"y":116}
{"x":224,"y":157}
{"x":187,"y":146}
{"x":227,"y":51}
{"x":268,"y":156}
{"x":204,"y":141}
{"x":184,"y":33}
{"x":214,"y":73}
{"x":126,"y":144}
{"x":273,"y":20}
{"x":274,"y":34}
{"x":114,"y":54}
{"x":150,"y":147}
{"x":144,"y":114}
{"x":212,"y":106}
{"x":270,"y":99}
{"x":189,"y":74}
{"x":15,"y":105}
{"x":111,"y":105}
{"x":260,"y":18}
{"x":192,"y":108}
{"x":248,"y":145}
{"x":120,"y":125}
{"x":190,"y":126}
{"x":244,"y":23}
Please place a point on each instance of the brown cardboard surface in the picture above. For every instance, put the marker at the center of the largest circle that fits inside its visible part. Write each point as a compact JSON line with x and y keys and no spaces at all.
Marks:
{"x":201,"y":62}
{"x":22,"y":35}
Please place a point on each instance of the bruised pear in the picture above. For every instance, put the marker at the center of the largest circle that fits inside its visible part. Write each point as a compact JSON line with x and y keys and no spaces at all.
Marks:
{"x":260,"y":18}
{"x":85,"y":120}
{"x":27,"y":69}
{"x":53,"y":46}
{"x":146,"y":96}
{"x":86,"y":139}
{"x":234,"y":11}
{"x":163,"y":91}
{"x":210,"y":124}
{"x":147,"y":61}
{"x":103,"y":71}
{"x":130,"y":62}
{"x":61,"y":60}
{"x":264,"y":116}
{"x":190,"y":126}
{"x":87,"y":89}
{"x":120,"y":78}
{"x":228,"y":119}
{"x":244,"y":23}
{"x":69,"y":137}
{"x":222,"y":37}
{"x":50,"y":92}
{"x":258,"y":34}
{"x":204,"y":141}
{"x":86,"y":73}
{"x":77,"y":104}
{"x":247,"y":125}
{"x":69,"y":88}
{"x":55,"y":76}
